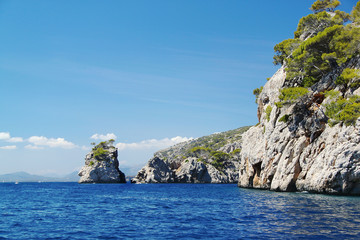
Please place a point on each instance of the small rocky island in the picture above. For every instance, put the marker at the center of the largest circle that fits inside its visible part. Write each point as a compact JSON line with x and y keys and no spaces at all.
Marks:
{"x":102,"y":165}
{"x":209,"y":159}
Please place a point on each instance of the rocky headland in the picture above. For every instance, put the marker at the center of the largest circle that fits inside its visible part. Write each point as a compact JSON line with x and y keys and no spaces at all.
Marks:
{"x":102,"y":165}
{"x":210,"y":159}
{"x":308,"y":136}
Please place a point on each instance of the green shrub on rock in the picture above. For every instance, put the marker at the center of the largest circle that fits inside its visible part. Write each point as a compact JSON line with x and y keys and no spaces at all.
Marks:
{"x":218,"y":165}
{"x":343,"y":110}
{"x":197,"y":150}
{"x":100,"y":153}
{"x":284,"y":118}
{"x":236,"y":151}
{"x":290,"y":95}
{"x":257,"y":92}
{"x":268,"y":112}
{"x":349,"y":77}
{"x":220,"y":156}
{"x":332,"y":94}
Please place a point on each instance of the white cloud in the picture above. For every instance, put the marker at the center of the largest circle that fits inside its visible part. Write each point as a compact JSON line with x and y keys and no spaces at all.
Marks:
{"x":8,"y":147}
{"x":15,"y":139}
{"x":51,"y":142}
{"x":4,"y":135}
{"x":153,"y":143}
{"x":33,"y":147}
{"x":103,"y":137}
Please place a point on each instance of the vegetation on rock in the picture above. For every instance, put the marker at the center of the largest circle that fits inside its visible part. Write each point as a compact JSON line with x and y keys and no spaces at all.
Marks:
{"x":332,"y":94}
{"x":207,"y":149}
{"x":290,"y":95}
{"x":343,"y":110}
{"x":210,"y":156}
{"x":198,"y":151}
{"x":102,"y":165}
{"x":284,"y":118}
{"x":324,"y":5}
{"x":236,"y":151}
{"x":100,"y":151}
{"x":257,"y":92}
{"x":355,"y":13}
{"x":220,"y":156}
{"x":349,"y":78}
{"x":321,"y":43}
{"x":268,"y":112}
{"x":217,"y":140}
{"x":209,"y":159}
{"x":316,"y":87}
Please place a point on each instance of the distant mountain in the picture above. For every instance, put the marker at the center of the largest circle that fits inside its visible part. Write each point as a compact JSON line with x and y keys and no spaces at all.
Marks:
{"x":26,"y":177}
{"x":130,"y":170}
{"x":71,"y":177}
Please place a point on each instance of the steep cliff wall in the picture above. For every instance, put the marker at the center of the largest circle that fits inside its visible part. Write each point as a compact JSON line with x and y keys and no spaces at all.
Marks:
{"x":308,"y":136}
{"x":102,"y":166}
{"x":296,"y":146}
{"x":210,"y":159}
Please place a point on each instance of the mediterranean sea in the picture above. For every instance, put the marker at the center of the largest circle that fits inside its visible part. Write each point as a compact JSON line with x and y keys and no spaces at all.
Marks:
{"x":171,"y":211}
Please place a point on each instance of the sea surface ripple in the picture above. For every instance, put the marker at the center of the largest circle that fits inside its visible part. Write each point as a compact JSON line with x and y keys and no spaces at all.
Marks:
{"x":171,"y":211}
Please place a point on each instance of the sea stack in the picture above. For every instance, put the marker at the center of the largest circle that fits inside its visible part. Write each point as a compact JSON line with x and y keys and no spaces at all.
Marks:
{"x":102,"y":165}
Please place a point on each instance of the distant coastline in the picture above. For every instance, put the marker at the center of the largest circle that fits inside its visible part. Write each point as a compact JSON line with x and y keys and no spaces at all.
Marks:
{"x":27,"y":177}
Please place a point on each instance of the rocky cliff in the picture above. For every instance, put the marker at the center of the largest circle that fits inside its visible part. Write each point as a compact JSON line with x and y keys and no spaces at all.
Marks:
{"x":209,"y":159}
{"x":102,"y":165}
{"x":308,"y":136}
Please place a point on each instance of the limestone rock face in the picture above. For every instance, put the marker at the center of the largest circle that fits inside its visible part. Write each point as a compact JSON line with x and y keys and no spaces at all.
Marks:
{"x":293,"y":148}
{"x":102,"y":167}
{"x":210,"y":159}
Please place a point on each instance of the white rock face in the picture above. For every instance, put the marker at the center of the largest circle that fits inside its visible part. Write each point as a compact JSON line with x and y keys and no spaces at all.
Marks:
{"x":105,"y":170}
{"x":303,"y":153}
{"x":179,"y":164}
{"x":188,"y":170}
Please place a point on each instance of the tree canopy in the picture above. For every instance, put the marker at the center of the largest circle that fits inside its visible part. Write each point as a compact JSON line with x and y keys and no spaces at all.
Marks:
{"x":325,"y":5}
{"x":321,"y":43}
{"x":355,"y":14}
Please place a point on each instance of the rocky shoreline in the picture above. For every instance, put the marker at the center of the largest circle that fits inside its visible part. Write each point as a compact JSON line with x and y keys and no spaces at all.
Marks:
{"x":302,"y":154}
{"x":210,"y":159}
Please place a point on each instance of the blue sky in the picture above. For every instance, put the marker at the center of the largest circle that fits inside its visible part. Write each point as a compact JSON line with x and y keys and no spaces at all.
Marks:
{"x":152,"y":73}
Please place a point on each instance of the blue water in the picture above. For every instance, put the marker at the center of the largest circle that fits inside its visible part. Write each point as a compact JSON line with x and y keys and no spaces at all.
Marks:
{"x":171,"y":211}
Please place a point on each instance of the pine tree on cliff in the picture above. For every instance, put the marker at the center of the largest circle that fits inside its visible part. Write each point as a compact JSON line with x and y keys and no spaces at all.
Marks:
{"x":321,"y":43}
{"x":325,"y":5}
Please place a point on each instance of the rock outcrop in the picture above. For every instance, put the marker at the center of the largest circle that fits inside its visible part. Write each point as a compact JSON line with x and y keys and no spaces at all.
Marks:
{"x":308,"y":136}
{"x":295,"y":147}
{"x":210,"y":159}
{"x":102,"y":165}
